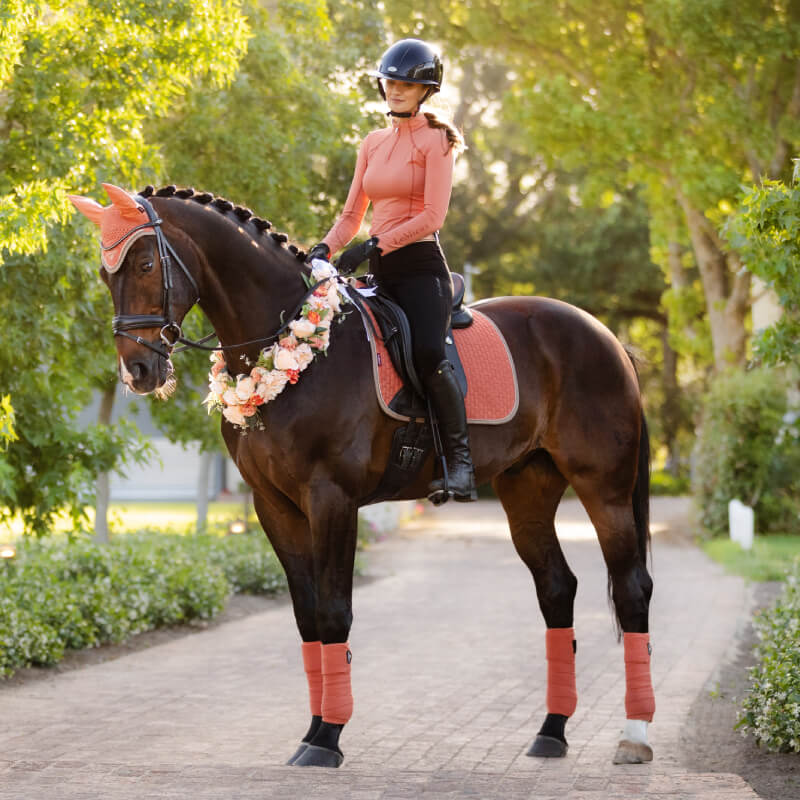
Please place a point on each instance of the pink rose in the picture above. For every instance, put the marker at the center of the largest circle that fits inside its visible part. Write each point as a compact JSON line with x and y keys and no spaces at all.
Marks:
{"x":289,"y":342}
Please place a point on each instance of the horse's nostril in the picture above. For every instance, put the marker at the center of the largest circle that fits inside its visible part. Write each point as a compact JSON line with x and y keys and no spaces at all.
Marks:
{"x":138,"y":370}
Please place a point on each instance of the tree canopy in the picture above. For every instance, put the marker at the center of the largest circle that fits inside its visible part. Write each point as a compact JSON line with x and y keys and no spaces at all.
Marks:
{"x":687,"y":99}
{"x":66,"y":123}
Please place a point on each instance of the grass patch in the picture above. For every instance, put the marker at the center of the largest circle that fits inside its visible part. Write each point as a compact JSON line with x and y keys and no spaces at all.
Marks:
{"x":770,"y":559}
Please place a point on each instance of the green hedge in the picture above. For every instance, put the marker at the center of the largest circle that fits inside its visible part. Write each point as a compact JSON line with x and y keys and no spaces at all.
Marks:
{"x":771,"y":711}
{"x":748,"y":448}
{"x":58,"y":594}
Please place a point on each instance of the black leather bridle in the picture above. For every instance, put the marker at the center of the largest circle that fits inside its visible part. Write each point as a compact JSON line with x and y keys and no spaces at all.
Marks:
{"x":171,"y":332}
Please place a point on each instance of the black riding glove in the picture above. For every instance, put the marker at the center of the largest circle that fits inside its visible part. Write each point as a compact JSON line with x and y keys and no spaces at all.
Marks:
{"x":320,"y":250}
{"x":349,"y":260}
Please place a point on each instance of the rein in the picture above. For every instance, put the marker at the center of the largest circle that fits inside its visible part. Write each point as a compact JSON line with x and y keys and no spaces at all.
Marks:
{"x":165,"y":345}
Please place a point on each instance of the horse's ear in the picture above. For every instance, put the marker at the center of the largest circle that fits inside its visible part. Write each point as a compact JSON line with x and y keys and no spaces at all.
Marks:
{"x":88,"y":207}
{"x":121,"y":199}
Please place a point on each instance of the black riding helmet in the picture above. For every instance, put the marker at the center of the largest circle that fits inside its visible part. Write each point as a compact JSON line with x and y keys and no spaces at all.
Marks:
{"x":411,"y":61}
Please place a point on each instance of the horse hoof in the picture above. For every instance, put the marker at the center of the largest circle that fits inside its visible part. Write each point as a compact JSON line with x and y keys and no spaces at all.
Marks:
{"x":547,"y":747}
{"x":439,"y":497}
{"x":633,"y":752}
{"x":297,"y":753}
{"x":315,"y":756}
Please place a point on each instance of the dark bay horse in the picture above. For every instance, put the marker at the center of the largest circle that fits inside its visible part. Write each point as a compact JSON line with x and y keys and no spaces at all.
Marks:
{"x":325,"y":443}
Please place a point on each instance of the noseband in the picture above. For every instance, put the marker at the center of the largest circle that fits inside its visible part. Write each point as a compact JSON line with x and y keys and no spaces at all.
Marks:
{"x":170,"y":330}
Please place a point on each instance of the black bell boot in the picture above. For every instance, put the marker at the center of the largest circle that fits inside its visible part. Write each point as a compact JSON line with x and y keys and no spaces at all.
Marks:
{"x":448,"y":403}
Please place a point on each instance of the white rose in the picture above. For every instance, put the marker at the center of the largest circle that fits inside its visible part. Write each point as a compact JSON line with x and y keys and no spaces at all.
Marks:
{"x":218,"y":387}
{"x":317,"y":302}
{"x":230,"y":398}
{"x":302,"y":328}
{"x":278,"y":379}
{"x":321,"y":269}
{"x":285,"y":359}
{"x":244,"y":388}
{"x":304,"y":355}
{"x":333,"y":298}
{"x":234,"y":415}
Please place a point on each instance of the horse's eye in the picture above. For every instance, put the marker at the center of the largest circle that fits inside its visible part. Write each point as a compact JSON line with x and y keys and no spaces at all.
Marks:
{"x":147,"y":266}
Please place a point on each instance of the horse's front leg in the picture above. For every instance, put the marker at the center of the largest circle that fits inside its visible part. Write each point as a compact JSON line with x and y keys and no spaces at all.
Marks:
{"x":333,"y":519}
{"x":290,"y":536}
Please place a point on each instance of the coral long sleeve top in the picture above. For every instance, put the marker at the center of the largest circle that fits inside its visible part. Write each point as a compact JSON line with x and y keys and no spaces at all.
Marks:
{"x":406,"y":171}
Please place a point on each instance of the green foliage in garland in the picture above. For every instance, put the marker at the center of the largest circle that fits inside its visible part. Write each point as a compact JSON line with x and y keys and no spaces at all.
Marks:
{"x":58,"y":595}
{"x":771,"y":710}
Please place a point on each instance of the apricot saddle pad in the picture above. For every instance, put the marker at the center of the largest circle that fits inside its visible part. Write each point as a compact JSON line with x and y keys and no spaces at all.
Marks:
{"x":492,"y":392}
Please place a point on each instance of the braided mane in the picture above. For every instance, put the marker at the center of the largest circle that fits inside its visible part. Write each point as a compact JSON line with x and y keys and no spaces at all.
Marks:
{"x":225,"y":207}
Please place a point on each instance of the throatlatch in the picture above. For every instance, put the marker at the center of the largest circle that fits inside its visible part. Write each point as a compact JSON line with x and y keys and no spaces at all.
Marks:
{"x":640,"y":701}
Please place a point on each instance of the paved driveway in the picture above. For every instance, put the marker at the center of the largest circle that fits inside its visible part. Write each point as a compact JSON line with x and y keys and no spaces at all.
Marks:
{"x":448,"y":676}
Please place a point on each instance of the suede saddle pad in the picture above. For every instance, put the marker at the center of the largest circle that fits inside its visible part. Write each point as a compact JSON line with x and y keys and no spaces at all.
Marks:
{"x":492,"y":396}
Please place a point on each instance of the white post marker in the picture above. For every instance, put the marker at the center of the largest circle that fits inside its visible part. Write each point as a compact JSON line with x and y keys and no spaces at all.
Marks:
{"x":741,"y":523}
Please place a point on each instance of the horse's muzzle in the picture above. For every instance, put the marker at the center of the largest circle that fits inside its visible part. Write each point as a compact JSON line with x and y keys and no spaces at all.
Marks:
{"x":143,"y":373}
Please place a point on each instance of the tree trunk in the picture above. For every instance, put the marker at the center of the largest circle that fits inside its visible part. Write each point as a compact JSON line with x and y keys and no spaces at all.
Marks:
{"x":206,"y":462}
{"x":671,"y":408}
{"x":103,"y":485}
{"x":726,"y":287}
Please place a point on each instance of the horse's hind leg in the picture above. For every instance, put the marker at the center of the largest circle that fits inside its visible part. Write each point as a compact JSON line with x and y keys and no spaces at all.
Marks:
{"x":623,"y":538}
{"x":530,"y":494}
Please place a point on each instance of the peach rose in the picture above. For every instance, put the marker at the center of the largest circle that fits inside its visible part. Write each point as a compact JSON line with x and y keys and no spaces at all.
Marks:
{"x":302,"y":328}
{"x":284,"y":359}
{"x":234,"y":415}
{"x":289,"y":342}
{"x":230,"y":398}
{"x":333,"y":298}
{"x":245,"y":386}
{"x":304,"y":355}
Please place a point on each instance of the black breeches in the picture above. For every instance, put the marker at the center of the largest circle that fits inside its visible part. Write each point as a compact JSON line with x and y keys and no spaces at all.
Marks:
{"x":417,"y":278}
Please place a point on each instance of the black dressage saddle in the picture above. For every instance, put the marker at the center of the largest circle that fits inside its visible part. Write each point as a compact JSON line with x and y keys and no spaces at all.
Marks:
{"x":395,"y":332}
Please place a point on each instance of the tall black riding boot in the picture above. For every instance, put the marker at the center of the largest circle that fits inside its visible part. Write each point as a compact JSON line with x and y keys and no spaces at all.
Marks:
{"x":448,"y":403}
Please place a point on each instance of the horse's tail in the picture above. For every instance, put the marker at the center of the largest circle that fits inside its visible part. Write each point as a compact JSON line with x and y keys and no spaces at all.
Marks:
{"x":640,"y":501}
{"x":641,"y":489}
{"x":641,"y":493}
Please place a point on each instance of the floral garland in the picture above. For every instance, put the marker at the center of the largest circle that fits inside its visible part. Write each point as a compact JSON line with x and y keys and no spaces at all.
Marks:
{"x":238,"y":398}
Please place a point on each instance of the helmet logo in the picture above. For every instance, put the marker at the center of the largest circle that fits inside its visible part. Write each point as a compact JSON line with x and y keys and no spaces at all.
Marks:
{"x":392,"y":69}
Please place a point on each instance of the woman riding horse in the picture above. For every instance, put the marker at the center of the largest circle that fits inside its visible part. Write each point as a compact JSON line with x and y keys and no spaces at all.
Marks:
{"x":319,"y":449}
{"x":406,"y":171}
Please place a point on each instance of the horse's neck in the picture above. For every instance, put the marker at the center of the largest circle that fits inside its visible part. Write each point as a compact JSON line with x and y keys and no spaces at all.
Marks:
{"x":247,"y":285}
